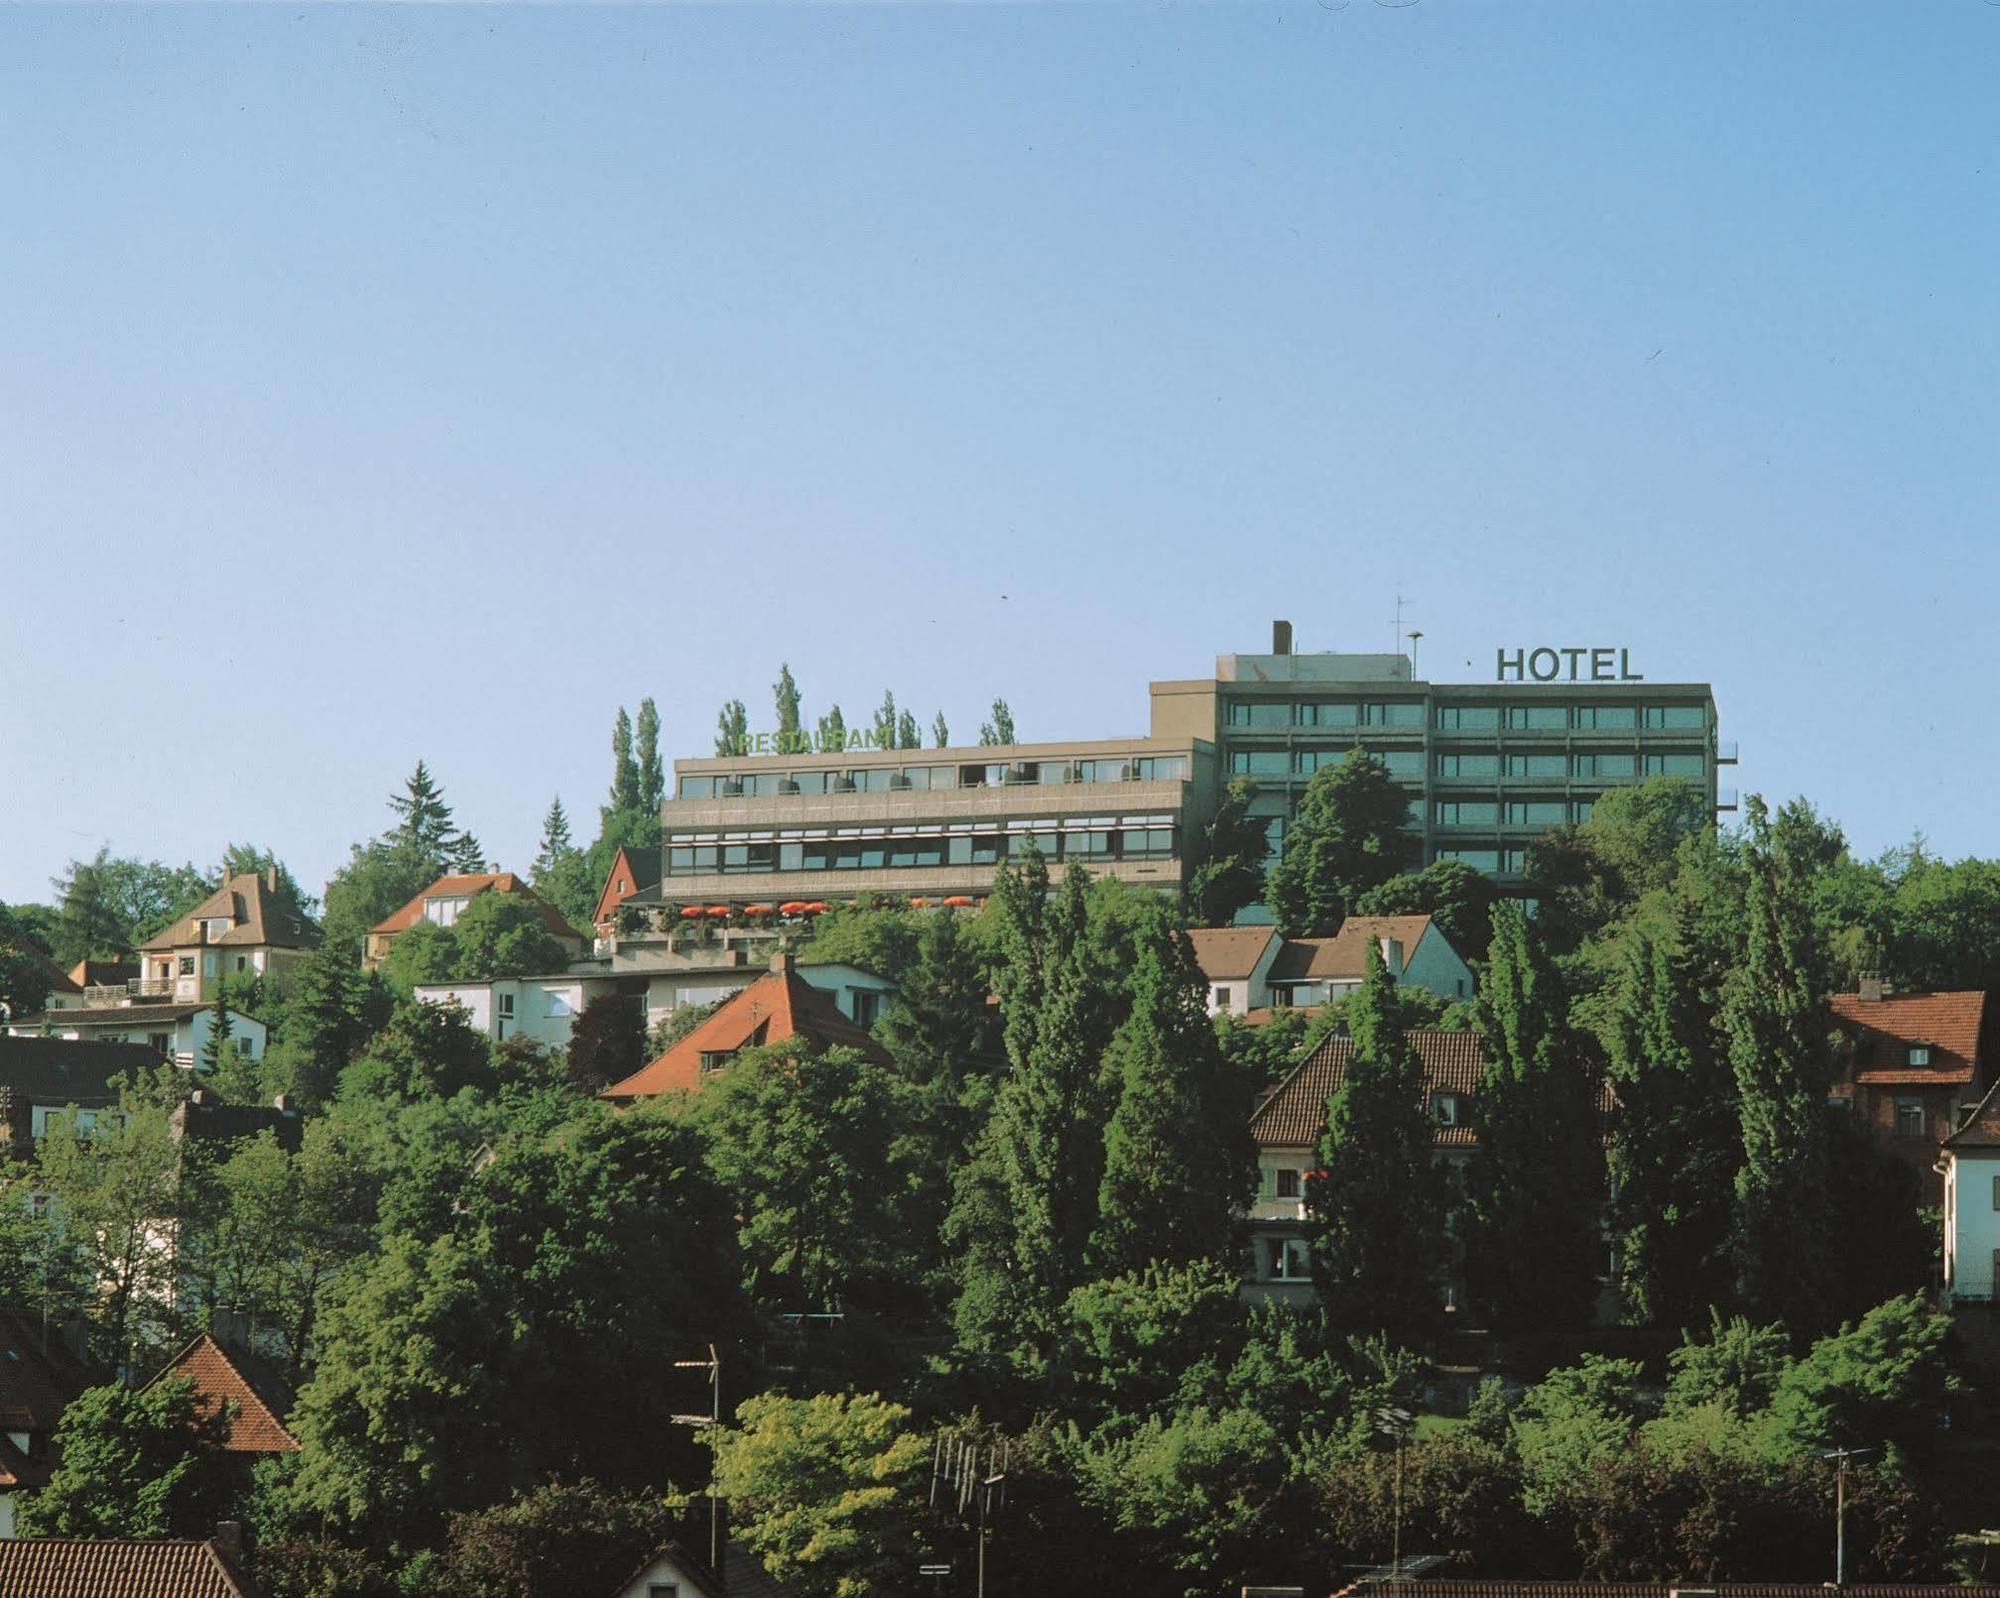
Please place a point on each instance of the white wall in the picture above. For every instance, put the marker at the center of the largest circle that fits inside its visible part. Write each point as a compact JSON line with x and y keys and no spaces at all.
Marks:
{"x":544,"y":1008}
{"x":844,"y":982}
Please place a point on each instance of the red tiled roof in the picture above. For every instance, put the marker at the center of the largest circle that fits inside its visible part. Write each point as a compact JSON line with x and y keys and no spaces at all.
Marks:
{"x":255,"y":1397}
{"x":1295,"y":1115}
{"x":38,"y":1375}
{"x":59,"y":1567}
{"x":466,"y":886}
{"x":1229,"y":954}
{"x":780,"y":1004}
{"x":631,"y":870}
{"x":1883,"y":1030}
{"x":1344,"y":956}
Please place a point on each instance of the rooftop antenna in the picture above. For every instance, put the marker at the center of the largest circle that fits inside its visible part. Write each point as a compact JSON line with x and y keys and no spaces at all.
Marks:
{"x":970,"y":1480}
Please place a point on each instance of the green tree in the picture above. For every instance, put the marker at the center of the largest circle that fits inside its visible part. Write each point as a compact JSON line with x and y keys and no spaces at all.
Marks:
{"x":1774,"y":1011}
{"x":651,"y":770}
{"x":145,"y":1464}
{"x":1457,"y":898}
{"x":108,"y":905}
{"x":940,"y":732}
{"x":26,"y":972}
{"x":1230,"y":872}
{"x":823,"y":1490}
{"x":1573,"y":1419}
{"x":561,"y":874}
{"x":424,"y":826}
{"x":427,"y":1051}
{"x":1537,"y":1188}
{"x":1944,"y":926}
{"x":502,"y":935}
{"x":1590,"y":875}
{"x":883,"y":728}
{"x":833,"y":730}
{"x":1178,"y":1161}
{"x":1736,"y":1369}
{"x":607,"y":1042}
{"x":1378,"y":1208}
{"x":1882,"y":1379}
{"x":553,"y":1541}
{"x":786,"y":692}
{"x":217,"y":1050}
{"x":624,"y":765}
{"x":332,"y":1009}
{"x":1350,"y":834}
{"x":1000,"y":730}
{"x":425,"y":952}
{"x":732,"y":729}
{"x":556,"y":841}
{"x":907,"y":736}
{"x":1674,"y":1142}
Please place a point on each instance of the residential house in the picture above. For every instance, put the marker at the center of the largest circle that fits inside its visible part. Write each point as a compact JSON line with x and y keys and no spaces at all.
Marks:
{"x":442,"y":902}
{"x":1252,"y":969}
{"x":173,"y":1031}
{"x":71,"y":989}
{"x":779,"y":1005}
{"x":674,"y":1571}
{"x":1969,"y":1167}
{"x":245,"y":926}
{"x":65,"y":1567}
{"x":42,"y":1369}
{"x":229,"y":1379}
{"x":632,"y":871}
{"x":1912,"y":1066}
{"x":41,"y":1077}
{"x":1286,"y":1129}
{"x":540,"y":1009}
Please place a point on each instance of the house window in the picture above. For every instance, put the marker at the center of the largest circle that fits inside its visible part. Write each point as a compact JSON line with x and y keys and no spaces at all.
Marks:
{"x":1909,"y":1117}
{"x":1222,"y":998}
{"x":1290,"y":1262}
{"x":246,"y":1048}
{"x":1444,"y":1109}
{"x":1288,"y":1182}
{"x":506,"y":1002}
{"x":558,"y":1006}
{"x":1920,"y":1054}
{"x":867,"y":1006}
{"x":216,"y":927}
{"x":185,"y":965}
{"x":242,"y":962}
{"x":714,"y":1059}
{"x":663,"y":1589}
{"x":1996,"y":1192}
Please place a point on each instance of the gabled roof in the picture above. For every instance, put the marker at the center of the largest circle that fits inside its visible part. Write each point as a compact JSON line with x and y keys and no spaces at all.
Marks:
{"x":38,"y":1376}
{"x":1884,"y":1029}
{"x":632,"y":871}
{"x":255,"y":1395}
{"x":780,"y":1004}
{"x":1295,"y":1115}
{"x":102,"y":973}
{"x":464,"y":887}
{"x":18,"y":1470}
{"x":1344,"y":956}
{"x":1230,"y":954}
{"x":257,"y":913}
{"x":1981,"y":1129}
{"x":134,"y":1015}
{"x":59,"y":1567}
{"x":60,"y":981}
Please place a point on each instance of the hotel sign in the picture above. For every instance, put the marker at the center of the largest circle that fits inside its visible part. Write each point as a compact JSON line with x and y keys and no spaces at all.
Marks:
{"x":1568,"y":664}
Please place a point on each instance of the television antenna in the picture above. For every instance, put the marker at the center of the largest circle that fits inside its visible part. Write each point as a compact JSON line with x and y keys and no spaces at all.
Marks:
{"x":969,"y":1479}
{"x":713,"y":1365}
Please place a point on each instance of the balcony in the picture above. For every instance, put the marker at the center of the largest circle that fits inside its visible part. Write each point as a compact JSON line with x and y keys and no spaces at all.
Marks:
{"x":1725,"y":799}
{"x":104,"y":994}
{"x":1725,"y":752}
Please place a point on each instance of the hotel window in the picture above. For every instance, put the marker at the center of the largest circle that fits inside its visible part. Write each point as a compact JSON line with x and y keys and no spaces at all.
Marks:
{"x":1582,"y":808}
{"x":1909,"y":1117}
{"x":1514,"y":861}
{"x":749,"y":857}
{"x":696,"y":788}
{"x":931,"y":776}
{"x":758,"y":784}
{"x":1463,"y":765}
{"x":1148,"y":843}
{"x":1402,"y":762}
{"x":1342,"y":714}
{"x":1676,"y":718}
{"x":981,"y":850}
{"x":1102,"y":771}
{"x":1160,"y":768}
{"x":1536,"y":813}
{"x":805,"y":781}
{"x":1606,"y":765}
{"x":1536,"y":765}
{"x":1288,"y":1182}
{"x":1478,"y":859}
{"x":1260,"y":762}
{"x":1537,"y":718}
{"x":1468,"y":718}
{"x":1673,"y":765}
{"x":1051,"y":773}
{"x":1396,"y":713}
{"x":917,"y":852}
{"x":1920,"y":1054}
{"x":1605,"y":718}
{"x":1461,"y":813}
{"x":873,"y":779}
{"x":1260,"y":713}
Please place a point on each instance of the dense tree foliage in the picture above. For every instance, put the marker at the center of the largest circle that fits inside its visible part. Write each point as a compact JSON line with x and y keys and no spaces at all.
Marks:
{"x":133,"y":1464}
{"x":1227,"y":873}
{"x":1350,"y":835}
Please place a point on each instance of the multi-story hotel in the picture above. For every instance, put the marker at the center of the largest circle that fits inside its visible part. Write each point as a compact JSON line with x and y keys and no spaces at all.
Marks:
{"x":1488,"y":766}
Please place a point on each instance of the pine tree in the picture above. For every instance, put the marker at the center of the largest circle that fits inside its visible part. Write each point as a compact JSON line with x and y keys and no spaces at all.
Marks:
{"x":1000,"y":730}
{"x":1377,"y":1211}
{"x":1675,"y":1141}
{"x":465,"y":855}
{"x":785,"y":692}
{"x":424,"y":828}
{"x":906,"y":731}
{"x":652,"y":774}
{"x":1177,"y":1152}
{"x":833,"y":731}
{"x":732,"y":729}
{"x":1538,"y":1184}
{"x":624,"y":766}
{"x":940,"y":732}
{"x":1350,"y":833}
{"x":215,"y":1051}
{"x":1775,"y":1015}
{"x":556,"y":842}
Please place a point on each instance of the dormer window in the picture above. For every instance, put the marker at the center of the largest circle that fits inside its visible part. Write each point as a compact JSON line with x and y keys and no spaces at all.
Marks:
{"x":1444,"y":1109}
{"x":444,"y":909}
{"x":217,"y":925}
{"x":715,"y":1059}
{"x":1920,"y":1054}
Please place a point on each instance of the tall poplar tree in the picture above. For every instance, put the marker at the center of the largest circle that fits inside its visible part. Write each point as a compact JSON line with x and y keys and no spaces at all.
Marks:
{"x":940,"y":732}
{"x":1178,"y":1160}
{"x":732,"y":729}
{"x":1774,"y":1009}
{"x":907,"y":736}
{"x":832,"y":731}
{"x":624,"y":765}
{"x":785,"y":694}
{"x":1000,"y":730}
{"x":1538,"y":1183}
{"x":1675,"y":1144}
{"x":1377,"y":1210}
{"x":652,"y":773}
{"x":883,"y":728}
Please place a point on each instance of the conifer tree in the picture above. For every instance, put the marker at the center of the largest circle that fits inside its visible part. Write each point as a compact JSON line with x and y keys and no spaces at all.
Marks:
{"x":732,"y":729}
{"x":424,"y":829}
{"x":1350,"y":833}
{"x":652,"y":774}
{"x":215,"y":1051}
{"x":785,"y":692}
{"x":466,"y":855}
{"x":1177,"y":1153}
{"x":556,"y":842}
{"x":624,"y":765}
{"x":940,"y":732}
{"x":1675,"y":1142}
{"x":1377,"y":1210}
{"x":1774,"y":1011}
{"x":1538,"y":1184}
{"x":1000,"y":730}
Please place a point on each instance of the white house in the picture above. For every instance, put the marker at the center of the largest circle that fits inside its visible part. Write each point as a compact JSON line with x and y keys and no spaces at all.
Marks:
{"x":1236,"y":961}
{"x":676,"y":1571}
{"x":1252,"y":969}
{"x":178,"y":1032}
{"x":1970,"y":1161}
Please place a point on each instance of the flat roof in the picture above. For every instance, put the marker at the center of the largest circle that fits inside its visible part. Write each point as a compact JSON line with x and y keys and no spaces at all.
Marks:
{"x":957,"y":755}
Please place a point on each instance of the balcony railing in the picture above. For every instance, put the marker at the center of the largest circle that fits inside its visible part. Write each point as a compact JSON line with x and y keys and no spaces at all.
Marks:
{"x":1725,"y":798}
{"x":104,"y":993}
{"x":1725,"y":752}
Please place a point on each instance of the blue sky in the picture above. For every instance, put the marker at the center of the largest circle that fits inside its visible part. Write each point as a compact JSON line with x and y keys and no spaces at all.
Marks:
{"x":386,"y":382}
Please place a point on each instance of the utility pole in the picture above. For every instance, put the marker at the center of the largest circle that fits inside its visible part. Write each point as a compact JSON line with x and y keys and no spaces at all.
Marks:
{"x":713,"y":1365}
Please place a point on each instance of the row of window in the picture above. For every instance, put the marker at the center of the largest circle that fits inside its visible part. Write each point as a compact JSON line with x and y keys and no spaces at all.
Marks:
{"x":957,"y":849}
{"x":1514,"y":813}
{"x":1269,"y":713}
{"x":889,"y":779}
{"x":1510,"y":862}
{"x":1462,"y":764}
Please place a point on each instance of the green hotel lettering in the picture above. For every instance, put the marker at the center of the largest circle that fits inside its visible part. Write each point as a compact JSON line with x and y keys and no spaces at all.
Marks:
{"x":1546,"y":665}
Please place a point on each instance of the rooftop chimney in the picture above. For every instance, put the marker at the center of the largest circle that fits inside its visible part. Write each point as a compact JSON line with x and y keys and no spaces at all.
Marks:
{"x":271,"y":878}
{"x":229,"y":1538}
{"x":1392,"y":957}
{"x":1873,"y":989}
{"x":1281,"y":638}
{"x":229,"y":1327}
{"x":783,"y":963}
